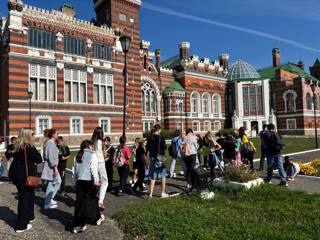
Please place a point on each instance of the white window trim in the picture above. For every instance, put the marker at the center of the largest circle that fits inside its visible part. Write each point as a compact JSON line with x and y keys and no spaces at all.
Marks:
{"x":109,"y":125}
{"x":295,"y":123}
{"x":217,"y":123}
{"x":208,"y":103}
{"x":294,"y":99}
{"x":71,"y":85}
{"x":37,"y":123}
{"x":106,"y":85}
{"x":198,"y":102}
{"x":47,"y":83}
{"x":178,"y":103}
{"x":199,"y":126}
{"x":204,"y":126}
{"x":219,"y":104}
{"x":81,"y":125}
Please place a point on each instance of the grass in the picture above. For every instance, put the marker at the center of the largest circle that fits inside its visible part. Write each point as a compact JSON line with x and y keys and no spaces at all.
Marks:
{"x":267,"y":212}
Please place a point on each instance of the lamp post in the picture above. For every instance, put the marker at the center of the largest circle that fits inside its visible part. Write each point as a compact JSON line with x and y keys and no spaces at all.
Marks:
{"x":125,"y":43}
{"x":313,"y":88}
{"x":30,"y":94}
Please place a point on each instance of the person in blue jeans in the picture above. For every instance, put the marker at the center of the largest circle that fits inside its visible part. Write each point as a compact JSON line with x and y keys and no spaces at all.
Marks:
{"x":274,"y":147}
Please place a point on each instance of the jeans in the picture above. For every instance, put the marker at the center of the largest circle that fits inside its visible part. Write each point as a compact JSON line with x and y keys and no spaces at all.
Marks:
{"x":52,"y":189}
{"x":103,"y":180}
{"x":173,"y":166}
{"x":276,"y":159}
{"x":292,"y":172}
{"x":123,"y":174}
{"x":214,"y":161}
{"x":190,"y":162}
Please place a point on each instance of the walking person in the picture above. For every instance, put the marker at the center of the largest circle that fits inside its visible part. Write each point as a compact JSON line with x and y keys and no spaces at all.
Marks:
{"x":189,"y":150}
{"x":175,"y":152}
{"x":263,"y":147}
{"x":64,"y":155}
{"x":274,"y":147}
{"x":140,"y":164}
{"x":50,"y":171}
{"x":108,"y":157}
{"x":98,"y":147}
{"x":23,"y":165}
{"x":247,"y":148}
{"x":87,"y":183}
{"x":156,"y":146}
{"x":134,"y":165}
{"x":122,"y":161}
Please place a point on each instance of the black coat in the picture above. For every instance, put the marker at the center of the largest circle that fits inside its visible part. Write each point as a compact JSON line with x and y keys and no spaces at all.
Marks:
{"x":17,"y":171}
{"x":154,"y":144}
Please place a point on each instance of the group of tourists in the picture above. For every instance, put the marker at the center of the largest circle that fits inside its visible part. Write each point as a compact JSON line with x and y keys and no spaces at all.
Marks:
{"x":95,"y":161}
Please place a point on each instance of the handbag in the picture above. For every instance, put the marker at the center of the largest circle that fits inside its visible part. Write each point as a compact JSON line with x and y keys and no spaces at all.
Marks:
{"x":31,"y":181}
{"x":160,"y":159}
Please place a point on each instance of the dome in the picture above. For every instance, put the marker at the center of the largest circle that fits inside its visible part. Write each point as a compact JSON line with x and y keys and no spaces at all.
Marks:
{"x":242,"y":71}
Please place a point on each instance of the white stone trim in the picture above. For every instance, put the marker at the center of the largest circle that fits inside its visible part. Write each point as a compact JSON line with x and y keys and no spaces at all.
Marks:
{"x":293,"y":120}
{"x":198,"y":102}
{"x":38,"y":133}
{"x":284,"y":95}
{"x":81,"y":125}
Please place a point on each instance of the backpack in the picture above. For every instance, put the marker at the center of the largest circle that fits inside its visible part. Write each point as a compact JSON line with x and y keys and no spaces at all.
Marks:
{"x":173,"y":149}
{"x":248,"y":148}
{"x":199,"y":179}
{"x":118,"y":158}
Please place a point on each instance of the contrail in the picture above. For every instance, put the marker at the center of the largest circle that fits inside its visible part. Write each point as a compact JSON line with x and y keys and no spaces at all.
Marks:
{"x":171,"y":12}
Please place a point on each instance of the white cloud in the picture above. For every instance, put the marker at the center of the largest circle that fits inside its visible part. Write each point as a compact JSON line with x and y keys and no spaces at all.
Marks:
{"x":171,"y":12}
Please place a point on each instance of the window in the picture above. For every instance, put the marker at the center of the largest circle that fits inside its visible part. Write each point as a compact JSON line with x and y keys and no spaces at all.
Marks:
{"x":316,"y":103}
{"x":179,"y":104}
{"x":207,"y":126}
{"x":101,"y":51}
{"x":122,"y":17}
{"x":76,"y":126}
{"x":290,"y":100}
{"x":75,"y":88}
{"x":252,"y":100}
{"x":74,"y":46}
{"x":309,"y":101}
{"x":206,"y":103}
{"x":42,"y":82}
{"x":103,"y":89}
{"x":149,"y":99}
{"x":105,"y":125}
{"x":42,"y":39}
{"x":169,"y":105}
{"x":42,"y":124}
{"x":291,"y":124}
{"x":195,"y":102}
{"x":180,"y":126}
{"x":196,"y":126}
{"x":217,"y":126}
{"x":147,"y":125}
{"x":216,"y":104}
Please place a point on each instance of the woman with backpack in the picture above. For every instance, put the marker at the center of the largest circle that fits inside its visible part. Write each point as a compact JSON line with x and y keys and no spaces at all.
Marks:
{"x":25,"y":158}
{"x":213,"y":146}
{"x":156,"y":146}
{"x":247,"y":148}
{"x":189,"y":150}
{"x":175,"y":152}
{"x":98,"y":147}
{"x":87,"y":183}
{"x":121,"y":161}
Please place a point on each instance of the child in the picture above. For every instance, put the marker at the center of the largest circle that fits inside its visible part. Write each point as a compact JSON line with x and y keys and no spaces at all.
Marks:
{"x":292,"y":169}
{"x":140,"y":164}
{"x":108,"y":157}
{"x":87,"y":184}
{"x":64,"y":155}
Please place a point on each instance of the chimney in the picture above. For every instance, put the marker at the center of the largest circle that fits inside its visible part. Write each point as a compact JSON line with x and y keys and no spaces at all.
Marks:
{"x":68,"y":10}
{"x":158,"y":55}
{"x":301,"y":64}
{"x":224,"y":61}
{"x":276,"y":57}
{"x":184,"y":50}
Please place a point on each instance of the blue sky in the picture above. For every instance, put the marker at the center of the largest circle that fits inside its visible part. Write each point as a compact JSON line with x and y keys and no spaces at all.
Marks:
{"x":246,"y":29}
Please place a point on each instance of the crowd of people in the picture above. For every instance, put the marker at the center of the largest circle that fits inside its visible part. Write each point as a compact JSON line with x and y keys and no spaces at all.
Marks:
{"x":95,"y":162}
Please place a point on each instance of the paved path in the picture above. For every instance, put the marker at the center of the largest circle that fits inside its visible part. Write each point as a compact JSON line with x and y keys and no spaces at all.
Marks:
{"x":56,"y":224}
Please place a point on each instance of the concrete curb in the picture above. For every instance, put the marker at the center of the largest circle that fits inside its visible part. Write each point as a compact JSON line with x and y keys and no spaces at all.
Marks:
{"x":292,"y":154}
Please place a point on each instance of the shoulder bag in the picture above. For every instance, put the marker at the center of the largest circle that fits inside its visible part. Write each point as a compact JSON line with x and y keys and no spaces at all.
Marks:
{"x":31,"y":181}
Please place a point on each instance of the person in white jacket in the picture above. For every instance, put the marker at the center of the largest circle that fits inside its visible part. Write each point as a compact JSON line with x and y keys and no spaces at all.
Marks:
{"x":97,"y":140}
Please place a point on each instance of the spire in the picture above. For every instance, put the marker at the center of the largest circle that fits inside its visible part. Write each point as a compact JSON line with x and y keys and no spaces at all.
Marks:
{"x":317,"y":62}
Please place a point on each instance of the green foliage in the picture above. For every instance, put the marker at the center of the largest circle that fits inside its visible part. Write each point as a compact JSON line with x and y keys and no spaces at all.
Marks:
{"x":266,"y":212}
{"x":240,"y":174}
{"x":227,"y":131}
{"x":167,"y":134}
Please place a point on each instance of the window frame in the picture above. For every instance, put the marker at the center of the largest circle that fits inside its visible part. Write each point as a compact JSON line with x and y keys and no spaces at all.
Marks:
{"x":291,"y":120}
{"x":98,"y":52}
{"x":49,"y":39}
{"x":72,"y":81}
{"x":109,"y":124}
{"x":205,"y":126}
{"x":71,"y":45}
{"x":71,"y":125}
{"x":198,"y":124}
{"x":195,"y":98}
{"x":38,"y":118}
{"x":109,"y":82}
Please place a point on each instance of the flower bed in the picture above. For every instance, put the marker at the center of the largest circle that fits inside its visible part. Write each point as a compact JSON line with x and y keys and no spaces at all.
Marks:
{"x":223,"y":183}
{"x":312,"y":169}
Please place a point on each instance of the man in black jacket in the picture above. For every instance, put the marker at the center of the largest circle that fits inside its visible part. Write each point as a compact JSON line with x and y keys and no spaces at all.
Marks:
{"x":274,"y":147}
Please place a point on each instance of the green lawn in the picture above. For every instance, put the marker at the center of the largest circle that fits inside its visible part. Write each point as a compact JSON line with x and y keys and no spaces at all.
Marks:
{"x":267,"y":212}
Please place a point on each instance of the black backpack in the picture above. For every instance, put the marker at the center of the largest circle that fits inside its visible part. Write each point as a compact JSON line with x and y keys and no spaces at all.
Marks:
{"x":248,"y":148}
{"x":199,"y":179}
{"x":173,"y":149}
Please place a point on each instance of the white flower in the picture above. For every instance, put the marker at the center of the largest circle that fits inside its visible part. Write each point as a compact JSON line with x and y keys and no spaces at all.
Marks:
{"x":207,"y":195}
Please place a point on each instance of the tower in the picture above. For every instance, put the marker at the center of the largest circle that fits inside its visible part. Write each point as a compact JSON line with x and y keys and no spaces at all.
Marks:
{"x":276,"y":57}
{"x":315,"y":69}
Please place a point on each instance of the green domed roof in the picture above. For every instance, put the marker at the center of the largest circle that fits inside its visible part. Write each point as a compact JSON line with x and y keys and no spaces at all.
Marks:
{"x":174,"y":87}
{"x":241,"y":71}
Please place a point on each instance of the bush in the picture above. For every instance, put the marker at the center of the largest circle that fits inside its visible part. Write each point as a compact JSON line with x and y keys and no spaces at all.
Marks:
{"x":308,"y":170}
{"x":227,"y":131}
{"x":167,"y":134}
{"x":239,"y":174}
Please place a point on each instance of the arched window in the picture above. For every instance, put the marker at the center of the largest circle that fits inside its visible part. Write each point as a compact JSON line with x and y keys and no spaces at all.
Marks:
{"x":309,"y":101}
{"x":149,"y":99}
{"x":216,"y":104}
{"x":195,"y":102}
{"x":205,"y":103}
{"x":289,"y":98}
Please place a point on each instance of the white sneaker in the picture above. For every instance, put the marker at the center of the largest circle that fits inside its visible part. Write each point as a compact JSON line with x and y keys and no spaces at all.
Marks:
{"x":164,"y":195}
{"x":174,"y":175}
{"x":79,"y":229}
{"x":101,"y":219}
{"x":31,"y":221}
{"x":189,"y":186}
{"x":144,"y":186}
{"x":53,"y":202}
{"x":29,"y":226}
{"x":50,"y":206}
